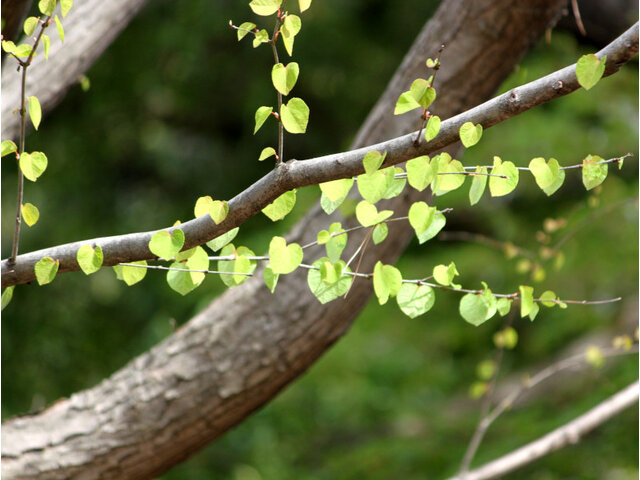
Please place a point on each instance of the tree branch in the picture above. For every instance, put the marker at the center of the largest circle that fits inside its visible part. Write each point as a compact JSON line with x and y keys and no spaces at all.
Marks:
{"x":296,"y":174}
{"x":570,"y":433}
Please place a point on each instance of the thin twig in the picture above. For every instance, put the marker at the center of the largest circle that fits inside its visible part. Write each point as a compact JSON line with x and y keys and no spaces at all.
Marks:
{"x":576,"y":14}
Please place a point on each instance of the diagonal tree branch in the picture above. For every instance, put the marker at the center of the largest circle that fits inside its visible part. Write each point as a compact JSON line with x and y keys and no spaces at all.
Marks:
{"x":568,"y":434}
{"x":296,"y":174}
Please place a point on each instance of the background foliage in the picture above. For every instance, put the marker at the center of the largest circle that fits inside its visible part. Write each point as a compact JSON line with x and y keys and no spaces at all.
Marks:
{"x":169,"y":118}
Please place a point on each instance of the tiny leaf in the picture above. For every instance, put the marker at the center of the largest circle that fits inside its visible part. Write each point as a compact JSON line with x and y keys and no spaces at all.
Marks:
{"x":261,"y":116}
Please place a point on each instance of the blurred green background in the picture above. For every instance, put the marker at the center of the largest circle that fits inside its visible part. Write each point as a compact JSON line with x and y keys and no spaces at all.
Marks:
{"x":169,"y":118}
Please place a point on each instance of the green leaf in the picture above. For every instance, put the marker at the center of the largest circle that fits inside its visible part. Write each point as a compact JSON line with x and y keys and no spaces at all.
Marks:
{"x":372,"y":161}
{"x":503,"y":186}
{"x":30,"y":214}
{"x":238,"y":268}
{"x":526,"y":300}
{"x":503,"y":305}
{"x":421,"y":94}
{"x":89,"y":259}
{"x":60,"y":29}
{"x":166,"y":245}
{"x":593,"y":173}
{"x":331,"y":272}
{"x":438,"y":223}
{"x":46,"y":270}
{"x":380,"y":232}
{"x":295,"y":115}
{"x":260,"y":37}
{"x":304,"y":5}
{"x":432,"y":129}
{"x":336,"y":244}
{"x":8,"y":46}
{"x":30,"y":25}
{"x":337,"y":189}
{"x":290,"y":28}
{"x":470,"y":134}
{"x":444,"y":274}
{"x":406,"y":102}
{"x":242,"y":29}
{"x":448,"y":174}
{"x":199,"y":260}
{"x":65,"y":6}
{"x":421,"y":216}
{"x":415,"y":300}
{"x":7,"y":295}
{"x":131,"y":275}
{"x":387,"y":281}
{"x":368,"y":215}
{"x":395,"y":186}
{"x":284,"y":78}
{"x":284,"y":258}
{"x":220,"y":241}
{"x":265,"y":7}
{"x":46,"y":44}
{"x":184,"y":282}
{"x":474,"y":309}
{"x":589,"y":70}
{"x":33,"y":165}
{"x":218,"y":210}
{"x":323,"y":237}
{"x":549,"y":296}
{"x":203,"y":204}
{"x":46,"y":7}
{"x":261,"y":116}
{"x":270,"y":278}
{"x":328,"y":291}
{"x":373,"y":186}
{"x":419,"y":172}
{"x":281,"y":206}
{"x":548,"y":176}
{"x":8,"y":147}
{"x":478,"y":184}
{"x":266,"y":153}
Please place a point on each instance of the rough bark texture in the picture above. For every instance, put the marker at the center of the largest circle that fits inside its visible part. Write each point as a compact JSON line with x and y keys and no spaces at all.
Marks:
{"x":90,"y":27}
{"x":248,"y":344}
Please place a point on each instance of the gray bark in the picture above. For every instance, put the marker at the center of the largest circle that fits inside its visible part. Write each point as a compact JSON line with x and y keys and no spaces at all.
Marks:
{"x":248,"y":344}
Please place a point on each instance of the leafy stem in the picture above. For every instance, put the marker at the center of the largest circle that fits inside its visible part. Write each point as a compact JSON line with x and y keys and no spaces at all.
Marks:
{"x":276,"y":60}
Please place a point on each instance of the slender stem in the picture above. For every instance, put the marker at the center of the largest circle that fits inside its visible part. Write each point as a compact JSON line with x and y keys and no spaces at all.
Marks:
{"x":276,"y":60}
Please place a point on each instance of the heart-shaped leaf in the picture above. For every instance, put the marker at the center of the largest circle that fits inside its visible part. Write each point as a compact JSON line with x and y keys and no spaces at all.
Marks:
{"x":261,"y":116}
{"x":284,"y":258}
{"x":295,"y":115}
{"x":281,"y":206}
{"x":593,"y":172}
{"x":166,"y":245}
{"x":265,"y":7}
{"x":438,"y":223}
{"x":373,"y":186}
{"x":290,"y":28}
{"x":203,"y":204}
{"x":387,"y":281}
{"x":270,"y":278}
{"x":549,"y":176}
{"x":478,"y":184}
{"x":33,"y":165}
{"x":35,"y":111}
{"x":220,"y":241}
{"x":325,"y":291}
{"x":284,"y":77}
{"x":336,"y":244}
{"x":503,"y":186}
{"x":46,"y":270}
{"x":419,"y":172}
{"x":30,"y":214}
{"x":266,"y":153}
{"x":336,"y":189}
{"x":244,"y":29}
{"x":432,"y":129}
{"x":372,"y":161}
{"x":380,"y":232}
{"x":89,"y":259}
{"x":444,"y":274}
{"x":8,"y":147}
{"x":368,"y":215}
{"x":415,"y":300}
{"x":589,"y":70}
{"x":131,"y":275}
{"x":470,"y":134}
{"x":421,"y":216}
{"x":218,"y":210}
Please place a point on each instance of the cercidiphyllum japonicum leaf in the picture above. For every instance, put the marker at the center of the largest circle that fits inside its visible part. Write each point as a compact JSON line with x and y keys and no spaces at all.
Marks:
{"x":368,"y":215}
{"x":415,"y":300}
{"x":372,"y":161}
{"x":46,"y":45}
{"x":65,"y":6}
{"x":35,"y":111}
{"x":202,"y":206}
{"x":593,"y":172}
{"x":444,"y":275}
{"x":395,"y":182}
{"x":336,"y":243}
{"x":478,"y":184}
{"x":281,"y":206}
{"x":59,"y":28}
{"x":419,"y":172}
{"x":432,"y":128}
{"x":470,"y":134}
{"x":45,"y":270}
{"x":502,"y":186}
{"x":47,"y":7}
{"x":380,"y":232}
{"x":261,"y":116}
{"x":421,"y":216}
{"x":266,"y":153}
{"x":291,"y":25}
{"x":475,"y":309}
{"x":8,"y":147}
{"x":265,"y":7}
{"x":337,"y":189}
{"x":184,"y":282}
{"x":7,"y":295}
{"x":30,"y":214}
{"x":220,"y":241}
{"x":550,"y":298}
{"x":295,"y":115}
{"x":503,"y":305}
{"x":260,"y":37}
{"x":438,"y":223}
{"x":378,"y":185}
{"x":326,"y":291}
{"x":284,"y":77}
{"x":33,"y":164}
{"x":131,"y":275}
{"x":244,"y":29}
{"x":284,"y":258}
{"x":166,"y":245}
{"x":589,"y":70}
{"x":89,"y":258}
{"x":304,"y":4}
{"x":218,"y":210}
{"x":448,"y":174}
{"x":548,"y":176}
{"x":387,"y":281}
{"x":270,"y":279}
{"x":527,"y":305}
{"x":23,"y":50}
{"x":29,"y":26}
{"x":421,"y":94}
{"x":239,"y":268}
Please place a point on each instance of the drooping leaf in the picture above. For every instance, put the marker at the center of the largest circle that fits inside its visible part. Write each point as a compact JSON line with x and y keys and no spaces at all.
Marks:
{"x":8,"y":147}
{"x":589,"y":70}
{"x":65,"y":6}
{"x":239,"y":268}
{"x":218,"y":210}
{"x":372,"y":161}
{"x":89,"y":258}
{"x":244,"y":29}
{"x":593,"y":172}
{"x":202,"y":206}
{"x":395,"y":182}
{"x":284,"y":258}
{"x":59,"y":28}
{"x":337,"y":189}
{"x":261,"y":116}
{"x":421,"y":216}
{"x":290,"y":28}
{"x":527,"y":305}
{"x":184,"y":282}
{"x":448,"y":174}
{"x":336,"y":244}
{"x":284,"y":77}
{"x":265,"y":7}
{"x":30,"y":214}
{"x":474,"y":309}
{"x":260,"y":37}
{"x":368,"y":215}
{"x":131,"y":275}
{"x":444,"y":274}
{"x":415,"y":300}
{"x":478,"y":184}
{"x":45,"y":270}
{"x":387,"y":281}
{"x":266,"y":153}
{"x":503,"y":186}
{"x":33,"y":164}
{"x":373,"y":186}
{"x":295,"y":115}
{"x":304,"y":5}
{"x":281,"y":206}
{"x":30,"y":25}
{"x":46,"y":44}
{"x":419,"y":172}
{"x":7,"y":295}
{"x":327,"y":291}
{"x":549,"y":296}
{"x":548,"y":176}
{"x":166,"y":245}
{"x":432,"y":129}
{"x":270,"y":279}
{"x":470,"y":134}
{"x":438,"y":223}
{"x":380,"y":232}
{"x":504,"y":306}
{"x":220,"y":241}
{"x":46,"y":7}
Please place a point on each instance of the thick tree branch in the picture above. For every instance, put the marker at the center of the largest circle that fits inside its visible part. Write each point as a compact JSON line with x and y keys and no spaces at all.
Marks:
{"x":296,"y":174}
{"x":568,"y":434}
